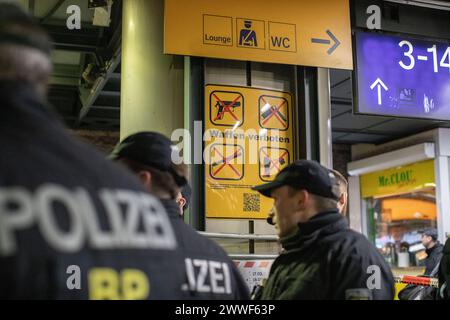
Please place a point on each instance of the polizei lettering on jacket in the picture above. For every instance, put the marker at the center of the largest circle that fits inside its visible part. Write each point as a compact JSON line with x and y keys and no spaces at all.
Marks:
{"x":129,"y":219}
{"x":205,"y":276}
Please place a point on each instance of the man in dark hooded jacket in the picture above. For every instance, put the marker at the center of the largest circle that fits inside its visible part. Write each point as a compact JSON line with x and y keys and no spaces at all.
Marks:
{"x":323,"y":258}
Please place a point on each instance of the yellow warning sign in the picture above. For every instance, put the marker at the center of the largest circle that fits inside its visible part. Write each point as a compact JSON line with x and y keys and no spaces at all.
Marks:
{"x":307,"y":32}
{"x":248,"y":140}
{"x":272,"y":161}
{"x":273,"y":112}
{"x":227,"y":162}
{"x":226,"y":108}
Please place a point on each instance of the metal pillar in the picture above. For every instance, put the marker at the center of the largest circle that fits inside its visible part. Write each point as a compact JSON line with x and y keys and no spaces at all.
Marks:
{"x":324,"y":117}
{"x":152,"y":83}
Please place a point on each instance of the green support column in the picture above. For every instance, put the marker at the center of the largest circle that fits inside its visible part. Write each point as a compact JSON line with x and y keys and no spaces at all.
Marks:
{"x":152,"y":83}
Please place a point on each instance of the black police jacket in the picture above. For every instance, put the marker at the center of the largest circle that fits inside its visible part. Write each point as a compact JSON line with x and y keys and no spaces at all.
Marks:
{"x":72,"y":224}
{"x":434,"y":256}
{"x":444,"y":273}
{"x":327,"y":260}
{"x":209,"y":272}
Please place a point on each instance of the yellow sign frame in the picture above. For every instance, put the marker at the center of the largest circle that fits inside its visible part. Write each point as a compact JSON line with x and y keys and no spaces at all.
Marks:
{"x":264,"y":151}
{"x":307,"y":32}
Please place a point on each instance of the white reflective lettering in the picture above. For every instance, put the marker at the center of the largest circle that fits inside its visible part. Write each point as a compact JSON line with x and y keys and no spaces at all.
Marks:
{"x":69,"y":241}
{"x":15,"y":214}
{"x":158,"y":229}
{"x":97,"y":237}
{"x":78,"y":209}
{"x":216,"y":275}
{"x":226,"y":272}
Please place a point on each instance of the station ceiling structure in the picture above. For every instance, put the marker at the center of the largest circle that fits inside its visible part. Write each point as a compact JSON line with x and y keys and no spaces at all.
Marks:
{"x":86,"y":81}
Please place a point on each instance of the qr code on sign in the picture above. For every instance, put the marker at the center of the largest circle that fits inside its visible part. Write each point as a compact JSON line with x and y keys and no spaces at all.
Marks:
{"x":251,"y":202}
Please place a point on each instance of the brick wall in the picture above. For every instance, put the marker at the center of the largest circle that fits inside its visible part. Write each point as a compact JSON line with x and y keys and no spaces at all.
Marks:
{"x":104,"y":141}
{"x":341,"y":156}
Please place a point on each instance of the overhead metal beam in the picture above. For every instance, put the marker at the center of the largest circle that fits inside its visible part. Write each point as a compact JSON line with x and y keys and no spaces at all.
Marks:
{"x":341,"y":101}
{"x":88,"y":97}
{"x":84,"y":40}
{"x":440,"y":5}
{"x":364,"y":131}
{"x":340,"y":82}
{"x":105,"y":108}
{"x":52,"y":10}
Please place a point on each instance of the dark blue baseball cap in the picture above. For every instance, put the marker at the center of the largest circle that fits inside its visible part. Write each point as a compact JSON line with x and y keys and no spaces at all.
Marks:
{"x":306,"y":175}
{"x":431,"y":232}
{"x":150,"y":149}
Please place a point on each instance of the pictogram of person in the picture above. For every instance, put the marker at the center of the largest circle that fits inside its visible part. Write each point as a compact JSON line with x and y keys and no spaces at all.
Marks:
{"x":247,"y":36}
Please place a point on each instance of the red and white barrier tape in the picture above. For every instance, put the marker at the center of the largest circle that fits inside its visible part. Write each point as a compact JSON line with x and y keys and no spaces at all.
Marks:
{"x":418,"y":281}
{"x":253,"y":264}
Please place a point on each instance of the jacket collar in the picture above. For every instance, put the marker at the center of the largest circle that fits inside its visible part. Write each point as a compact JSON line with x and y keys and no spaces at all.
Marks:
{"x":13,"y":90}
{"x":319,"y":225}
{"x":16,"y":95}
{"x":437,"y":246}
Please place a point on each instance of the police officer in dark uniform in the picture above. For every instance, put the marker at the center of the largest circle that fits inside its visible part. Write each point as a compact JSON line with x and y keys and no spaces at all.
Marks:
{"x":322,"y":258}
{"x":72,"y":224}
{"x":209,"y":273}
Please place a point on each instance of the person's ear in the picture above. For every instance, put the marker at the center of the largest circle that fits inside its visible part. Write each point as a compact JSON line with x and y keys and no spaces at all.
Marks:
{"x":181,"y":202}
{"x":342,"y":199}
{"x":301,"y":199}
{"x":146,"y":179}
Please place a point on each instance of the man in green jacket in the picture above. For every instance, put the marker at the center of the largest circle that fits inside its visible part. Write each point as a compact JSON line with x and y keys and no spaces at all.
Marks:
{"x":322,"y":257}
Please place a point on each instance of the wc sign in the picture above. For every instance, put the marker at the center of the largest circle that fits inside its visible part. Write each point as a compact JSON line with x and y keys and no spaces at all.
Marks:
{"x":282,"y":36}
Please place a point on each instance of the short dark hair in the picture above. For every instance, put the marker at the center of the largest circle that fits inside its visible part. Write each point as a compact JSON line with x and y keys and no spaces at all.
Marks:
{"x":430,"y":232}
{"x":161,"y":180}
{"x":340,"y":179}
{"x":321,"y":204}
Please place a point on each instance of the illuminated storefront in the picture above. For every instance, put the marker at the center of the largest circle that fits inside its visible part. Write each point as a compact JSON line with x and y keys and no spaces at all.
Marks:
{"x":397,"y":193}
{"x":400,"y":202}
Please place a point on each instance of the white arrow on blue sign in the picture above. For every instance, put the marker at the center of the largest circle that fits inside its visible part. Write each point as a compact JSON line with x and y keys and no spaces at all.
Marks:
{"x":379,"y":83}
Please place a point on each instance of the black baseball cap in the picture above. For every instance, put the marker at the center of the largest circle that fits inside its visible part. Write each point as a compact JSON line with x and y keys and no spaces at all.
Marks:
{"x":307,"y":175}
{"x":15,"y":26}
{"x":431,"y":232}
{"x":150,"y":149}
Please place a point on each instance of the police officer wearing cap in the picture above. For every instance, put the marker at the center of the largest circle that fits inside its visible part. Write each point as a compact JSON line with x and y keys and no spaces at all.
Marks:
{"x":207,"y":270}
{"x":73,"y":225}
{"x":322,"y":257}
